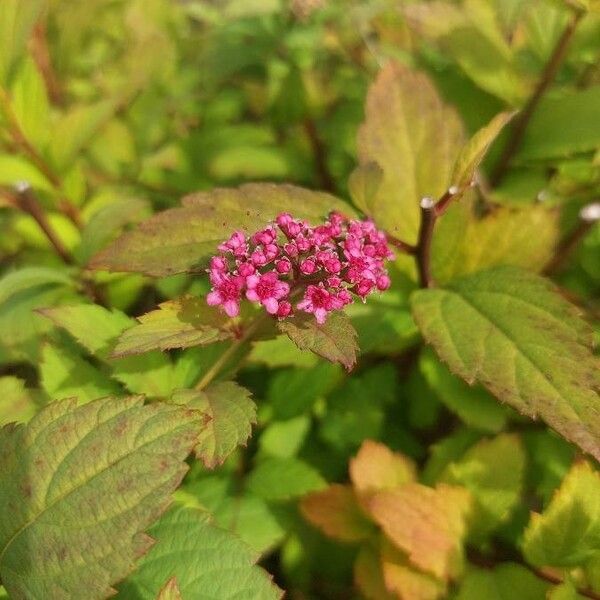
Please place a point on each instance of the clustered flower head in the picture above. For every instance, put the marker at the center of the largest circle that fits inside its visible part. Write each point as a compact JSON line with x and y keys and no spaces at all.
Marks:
{"x":320,"y":268}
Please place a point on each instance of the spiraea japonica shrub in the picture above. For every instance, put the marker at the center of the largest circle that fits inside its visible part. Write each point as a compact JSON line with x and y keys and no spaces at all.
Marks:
{"x":299,"y":298}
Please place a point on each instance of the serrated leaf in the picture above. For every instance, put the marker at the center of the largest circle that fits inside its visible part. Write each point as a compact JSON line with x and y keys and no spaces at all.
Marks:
{"x":376,"y":468}
{"x":414,"y":138}
{"x":523,"y":237}
{"x":284,"y":478}
{"x":336,"y":512}
{"x":508,"y":581}
{"x":80,"y":485}
{"x":429,"y":524}
{"x":16,"y":402}
{"x":180,"y":323}
{"x":567,"y":533}
{"x":230,"y":414}
{"x":335,"y":340}
{"x":207,"y":561}
{"x":475,"y":150}
{"x":14,"y":169}
{"x":510,"y":330}
{"x":183,"y":238}
{"x":495,"y":485}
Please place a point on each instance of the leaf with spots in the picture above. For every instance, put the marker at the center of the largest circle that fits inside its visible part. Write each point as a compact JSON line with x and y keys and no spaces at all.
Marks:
{"x":79,"y":487}
{"x":181,"y":239}
{"x":180,"y":323}
{"x":334,"y":341}
{"x":512,"y":332}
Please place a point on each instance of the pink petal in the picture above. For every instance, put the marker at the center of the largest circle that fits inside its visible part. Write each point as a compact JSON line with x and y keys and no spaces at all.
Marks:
{"x":321,"y":315}
{"x":271,"y":305}
{"x":252,"y":296}
{"x":214,"y":298}
{"x":232,"y":308}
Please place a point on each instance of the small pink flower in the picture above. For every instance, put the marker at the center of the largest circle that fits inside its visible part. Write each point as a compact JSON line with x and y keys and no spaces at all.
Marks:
{"x":266,"y":289}
{"x":363,"y":287}
{"x":246,"y":268}
{"x":283,"y":266}
{"x":291,"y":249}
{"x":308,"y":266}
{"x":304,"y":244}
{"x":227,"y":294}
{"x":318,"y":301}
{"x":383,"y":282}
{"x":284,"y":310}
{"x":266,"y":236}
{"x":236,"y":244}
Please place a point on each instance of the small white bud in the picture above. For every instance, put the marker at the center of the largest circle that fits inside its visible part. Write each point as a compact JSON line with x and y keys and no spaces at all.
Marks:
{"x":22,"y":186}
{"x":453,"y":190}
{"x":427,"y":202}
{"x":590,"y":212}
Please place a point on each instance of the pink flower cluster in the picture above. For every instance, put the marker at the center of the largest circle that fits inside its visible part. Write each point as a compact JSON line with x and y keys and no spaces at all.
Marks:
{"x":322,"y":267}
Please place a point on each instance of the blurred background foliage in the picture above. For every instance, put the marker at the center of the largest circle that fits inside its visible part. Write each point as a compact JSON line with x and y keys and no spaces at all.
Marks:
{"x":111,"y":110}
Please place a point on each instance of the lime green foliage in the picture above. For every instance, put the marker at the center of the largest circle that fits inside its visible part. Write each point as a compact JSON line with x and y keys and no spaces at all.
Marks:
{"x":510,"y":331}
{"x":109,"y":477}
{"x":207,"y":561}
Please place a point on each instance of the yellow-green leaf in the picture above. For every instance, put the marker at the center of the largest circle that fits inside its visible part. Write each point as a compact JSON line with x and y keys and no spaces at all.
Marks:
{"x":415,"y":138}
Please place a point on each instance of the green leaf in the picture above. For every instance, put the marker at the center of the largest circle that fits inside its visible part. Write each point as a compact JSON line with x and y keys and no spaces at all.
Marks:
{"x":183,"y":238}
{"x":473,"y":405}
{"x":180,"y":323}
{"x":508,"y":581}
{"x":523,"y":237}
{"x":567,"y":533}
{"x":335,"y":340}
{"x":562,"y":126}
{"x":475,"y":150}
{"x":14,"y":169}
{"x":284,"y":478}
{"x":65,"y":374}
{"x":76,"y":128}
{"x":511,"y":331}
{"x":207,"y":561}
{"x":96,"y":329}
{"x":30,"y":103}
{"x":230,"y":415}
{"x":107,"y":222}
{"x":495,"y":485}
{"x":79,"y":487}
{"x":16,"y":402}
{"x":29,"y":277}
{"x":17,"y":18}
{"x":414,"y":138}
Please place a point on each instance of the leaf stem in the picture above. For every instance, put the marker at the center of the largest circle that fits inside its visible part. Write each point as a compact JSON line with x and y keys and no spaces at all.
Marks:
{"x":26,"y":201}
{"x":218,"y":365}
{"x":430,"y":212}
{"x":20,"y":140}
{"x":522,"y":120}
{"x":326,"y":181}
{"x":589,"y":215}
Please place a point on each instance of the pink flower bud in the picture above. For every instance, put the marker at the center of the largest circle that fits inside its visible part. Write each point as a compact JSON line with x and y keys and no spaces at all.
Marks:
{"x":283,"y":266}
{"x":245,"y":269}
{"x":383,"y":282}
{"x":308,"y":266}
{"x":284,"y":310}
